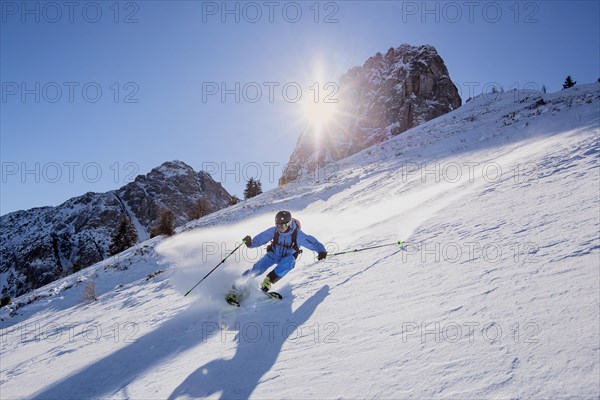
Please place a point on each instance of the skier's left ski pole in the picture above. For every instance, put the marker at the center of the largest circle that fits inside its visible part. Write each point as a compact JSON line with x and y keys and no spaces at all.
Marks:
{"x":211,"y":271}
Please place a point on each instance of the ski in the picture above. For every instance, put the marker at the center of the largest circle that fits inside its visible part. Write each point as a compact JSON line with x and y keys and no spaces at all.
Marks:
{"x":235,"y":300}
{"x":274,"y":295}
{"x":232,"y":301}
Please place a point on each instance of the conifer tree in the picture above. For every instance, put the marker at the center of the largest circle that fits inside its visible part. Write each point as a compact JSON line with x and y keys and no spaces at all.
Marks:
{"x":253,"y":188}
{"x":123,"y":237}
{"x":569,"y":82}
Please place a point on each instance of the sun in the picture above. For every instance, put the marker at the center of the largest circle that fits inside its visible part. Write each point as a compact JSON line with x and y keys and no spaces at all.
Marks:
{"x":318,"y":115}
{"x":318,"y":111}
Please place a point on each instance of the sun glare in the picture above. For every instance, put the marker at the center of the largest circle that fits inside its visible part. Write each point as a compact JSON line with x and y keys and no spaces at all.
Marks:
{"x":319,"y":108}
{"x":318,"y":115}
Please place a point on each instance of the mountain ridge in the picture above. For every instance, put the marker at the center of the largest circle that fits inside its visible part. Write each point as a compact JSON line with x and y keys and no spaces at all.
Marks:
{"x":44,"y":243}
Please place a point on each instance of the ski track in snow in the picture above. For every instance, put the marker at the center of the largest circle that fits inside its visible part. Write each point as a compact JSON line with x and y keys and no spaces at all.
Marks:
{"x":494,"y":295}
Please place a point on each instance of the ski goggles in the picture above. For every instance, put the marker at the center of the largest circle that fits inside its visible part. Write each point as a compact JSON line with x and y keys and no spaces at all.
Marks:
{"x":283,"y":227}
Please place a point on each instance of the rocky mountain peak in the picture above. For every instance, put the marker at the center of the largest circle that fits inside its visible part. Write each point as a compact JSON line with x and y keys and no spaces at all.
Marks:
{"x":388,"y":95}
{"x":172,"y":168}
{"x":40,"y":245}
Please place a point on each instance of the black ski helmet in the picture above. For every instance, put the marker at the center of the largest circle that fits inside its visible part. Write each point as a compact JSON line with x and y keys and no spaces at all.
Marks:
{"x":283,"y":217}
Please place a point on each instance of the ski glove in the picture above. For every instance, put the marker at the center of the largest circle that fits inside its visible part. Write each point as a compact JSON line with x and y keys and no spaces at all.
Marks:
{"x":322,"y":255}
{"x":247,"y":240}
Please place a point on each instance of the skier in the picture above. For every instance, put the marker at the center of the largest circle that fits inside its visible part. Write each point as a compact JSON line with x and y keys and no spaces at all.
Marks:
{"x":286,"y":239}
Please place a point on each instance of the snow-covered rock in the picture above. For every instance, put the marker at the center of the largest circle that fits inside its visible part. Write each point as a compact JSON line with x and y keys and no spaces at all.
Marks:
{"x":40,"y":245}
{"x":389,"y":94}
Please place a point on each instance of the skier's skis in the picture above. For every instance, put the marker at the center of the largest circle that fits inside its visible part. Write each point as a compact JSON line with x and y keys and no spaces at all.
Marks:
{"x":236,"y":299}
{"x":231,"y":299}
{"x":273,"y":295}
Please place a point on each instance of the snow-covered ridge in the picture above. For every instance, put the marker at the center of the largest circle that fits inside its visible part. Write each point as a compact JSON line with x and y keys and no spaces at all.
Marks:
{"x":174,"y":168}
{"x":494,"y":296}
{"x":41,"y":245}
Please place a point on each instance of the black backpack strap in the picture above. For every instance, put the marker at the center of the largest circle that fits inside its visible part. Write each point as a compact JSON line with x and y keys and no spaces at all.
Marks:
{"x":294,"y":245}
{"x":274,"y":241}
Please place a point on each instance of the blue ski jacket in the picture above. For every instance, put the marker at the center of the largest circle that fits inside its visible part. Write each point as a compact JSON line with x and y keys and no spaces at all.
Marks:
{"x":282,"y":247}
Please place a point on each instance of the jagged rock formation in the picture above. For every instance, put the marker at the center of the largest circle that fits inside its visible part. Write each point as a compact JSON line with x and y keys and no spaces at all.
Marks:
{"x":389,"y":94}
{"x":40,"y":245}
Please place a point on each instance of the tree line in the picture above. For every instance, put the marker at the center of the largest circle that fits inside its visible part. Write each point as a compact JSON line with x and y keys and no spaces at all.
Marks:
{"x":125,"y":234}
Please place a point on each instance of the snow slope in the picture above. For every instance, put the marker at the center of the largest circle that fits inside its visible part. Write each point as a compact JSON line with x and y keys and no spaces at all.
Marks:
{"x":495,"y":294}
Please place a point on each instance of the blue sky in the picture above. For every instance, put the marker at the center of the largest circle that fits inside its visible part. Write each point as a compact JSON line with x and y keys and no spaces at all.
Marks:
{"x":94,"y":93}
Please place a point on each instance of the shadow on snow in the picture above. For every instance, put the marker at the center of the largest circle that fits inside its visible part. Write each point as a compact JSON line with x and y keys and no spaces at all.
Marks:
{"x":238,"y":377}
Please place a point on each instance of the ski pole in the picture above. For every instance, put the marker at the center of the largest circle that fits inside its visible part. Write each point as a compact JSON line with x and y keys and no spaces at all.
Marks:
{"x":398,"y":243}
{"x":211,"y":271}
